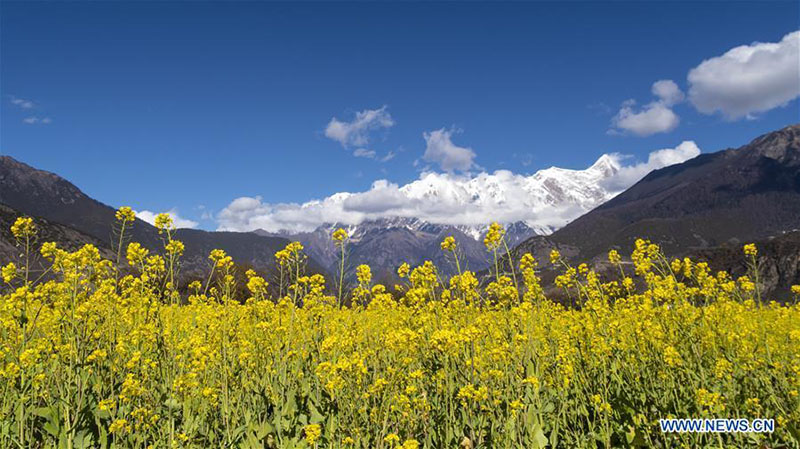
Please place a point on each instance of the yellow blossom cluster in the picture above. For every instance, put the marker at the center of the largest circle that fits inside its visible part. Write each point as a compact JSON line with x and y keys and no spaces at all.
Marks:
{"x":104,"y":354}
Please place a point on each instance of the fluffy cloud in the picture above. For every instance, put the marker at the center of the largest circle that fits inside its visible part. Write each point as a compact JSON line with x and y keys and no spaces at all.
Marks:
{"x":179,"y":221}
{"x":355,"y":133}
{"x":547,"y":199}
{"x":630,"y":174}
{"x":655,"y":117}
{"x":441,"y":150}
{"x":748,"y":79}
{"x":668,"y":92}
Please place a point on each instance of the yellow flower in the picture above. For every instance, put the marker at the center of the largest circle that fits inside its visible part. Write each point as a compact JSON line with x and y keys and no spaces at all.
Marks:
{"x":494,"y":236}
{"x":411,"y":444}
{"x":403,"y":270}
{"x":106,"y":404}
{"x":23,"y":228}
{"x":118,"y":426}
{"x":449,"y":244}
{"x":613,"y":256}
{"x":164,"y":222}
{"x":364,"y":274}
{"x":136,"y":254}
{"x":388,"y":364}
{"x":532,"y":381}
{"x":97,"y":355}
{"x":676,"y":266}
{"x":175,"y":247}
{"x":750,"y":250}
{"x":9,"y":272}
{"x":527,"y":262}
{"x":49,"y":251}
{"x":294,"y":247}
{"x":709,"y":401}
{"x":256,"y":284}
{"x":312,"y":433}
{"x":220,"y":259}
{"x":555,"y":256}
{"x":125,"y":214}
{"x":672,"y":357}
{"x":339,"y":236}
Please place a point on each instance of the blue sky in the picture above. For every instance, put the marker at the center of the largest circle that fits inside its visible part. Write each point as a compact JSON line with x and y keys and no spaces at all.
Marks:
{"x":189,"y":104}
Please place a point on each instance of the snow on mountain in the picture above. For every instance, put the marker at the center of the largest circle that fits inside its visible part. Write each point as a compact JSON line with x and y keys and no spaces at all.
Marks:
{"x":543,"y":201}
{"x":390,"y":224}
{"x":580,"y":190}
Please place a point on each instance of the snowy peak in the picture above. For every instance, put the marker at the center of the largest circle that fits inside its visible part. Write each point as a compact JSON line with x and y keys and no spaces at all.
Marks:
{"x":544,"y":201}
{"x":606,"y":166}
{"x":390,"y":224}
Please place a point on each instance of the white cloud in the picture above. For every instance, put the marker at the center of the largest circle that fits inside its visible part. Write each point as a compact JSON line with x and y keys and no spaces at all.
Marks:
{"x":667,"y":92}
{"x":628,"y":175}
{"x":21,"y":102}
{"x":655,"y":117}
{"x":441,"y":150}
{"x":35,"y":120}
{"x":179,"y":221}
{"x":652,"y":119}
{"x":356,"y":133}
{"x":748,"y":79}
{"x":466,"y":199}
{"x":363,"y":152}
{"x":389,"y":156}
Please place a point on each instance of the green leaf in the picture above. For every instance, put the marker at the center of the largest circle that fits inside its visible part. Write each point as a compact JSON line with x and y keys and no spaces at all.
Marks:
{"x":539,"y":440}
{"x":83,"y":440}
{"x":316,"y":416}
{"x":51,"y":428}
{"x":44,"y":412}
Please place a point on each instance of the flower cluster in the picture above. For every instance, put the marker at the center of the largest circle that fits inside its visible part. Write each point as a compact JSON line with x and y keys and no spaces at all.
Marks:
{"x":104,"y":354}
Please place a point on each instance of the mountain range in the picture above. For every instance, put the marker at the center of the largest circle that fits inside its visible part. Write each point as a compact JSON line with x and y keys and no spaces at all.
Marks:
{"x":385,"y":243}
{"x":705,"y":207}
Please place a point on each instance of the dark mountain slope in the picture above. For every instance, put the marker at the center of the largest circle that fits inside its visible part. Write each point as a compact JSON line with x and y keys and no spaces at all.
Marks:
{"x":735,"y":195}
{"x":705,"y":208}
{"x":47,"y":231}
{"x":43,"y":194}
{"x":778,"y":262}
{"x":385,"y":244}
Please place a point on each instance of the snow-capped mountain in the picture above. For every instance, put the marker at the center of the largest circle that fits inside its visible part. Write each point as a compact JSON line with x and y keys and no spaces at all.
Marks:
{"x":545,"y":200}
{"x":553,"y":187}
{"x":557,"y":194}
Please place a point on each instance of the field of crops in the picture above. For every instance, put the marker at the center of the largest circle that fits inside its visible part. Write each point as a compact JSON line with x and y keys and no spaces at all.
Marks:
{"x":94,"y":356}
